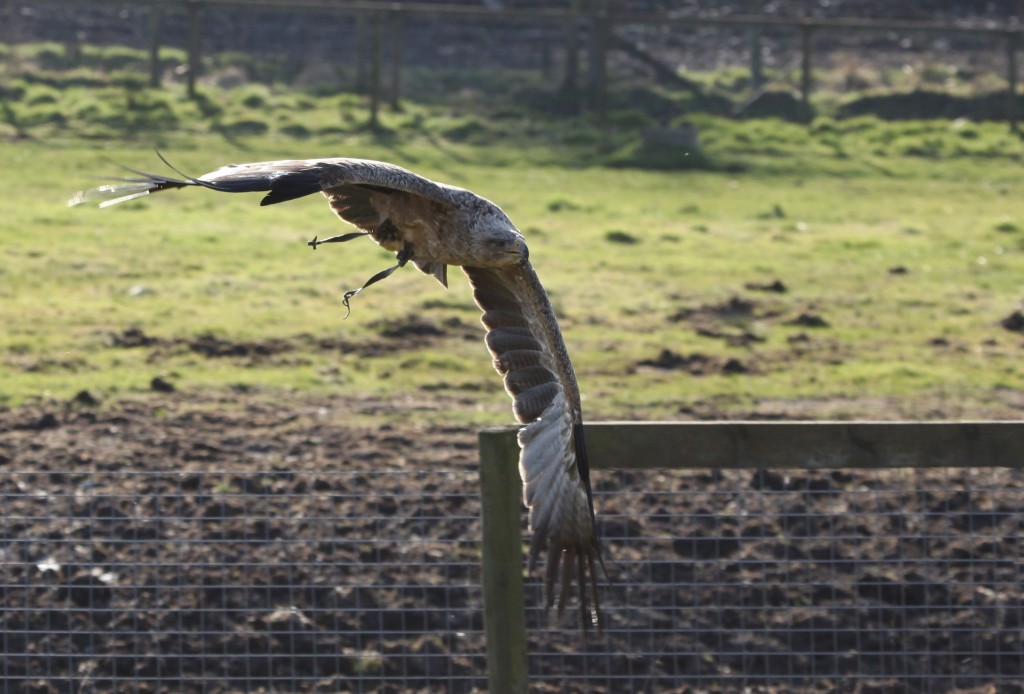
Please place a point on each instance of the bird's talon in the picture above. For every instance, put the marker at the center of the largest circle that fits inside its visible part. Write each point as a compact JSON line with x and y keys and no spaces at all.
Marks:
{"x":341,"y":239}
{"x":345,"y":299}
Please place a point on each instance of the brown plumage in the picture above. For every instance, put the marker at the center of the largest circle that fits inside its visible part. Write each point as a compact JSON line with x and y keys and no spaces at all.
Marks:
{"x":435,"y":225}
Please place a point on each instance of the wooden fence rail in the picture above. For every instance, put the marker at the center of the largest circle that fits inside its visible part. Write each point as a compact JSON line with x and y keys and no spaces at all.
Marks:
{"x":712,"y":445}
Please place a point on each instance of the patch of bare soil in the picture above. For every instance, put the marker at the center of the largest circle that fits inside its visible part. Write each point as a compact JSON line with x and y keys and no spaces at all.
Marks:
{"x":752,"y":577}
{"x":733,"y":320}
{"x":393,"y":336}
{"x":696,"y":363}
{"x":740,"y":321}
{"x":235,"y":545}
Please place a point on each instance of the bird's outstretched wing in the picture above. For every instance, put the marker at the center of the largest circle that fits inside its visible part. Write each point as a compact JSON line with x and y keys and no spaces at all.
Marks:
{"x":524,"y":339}
{"x":432,"y":225}
{"x":282,"y":180}
{"x":363,"y":192}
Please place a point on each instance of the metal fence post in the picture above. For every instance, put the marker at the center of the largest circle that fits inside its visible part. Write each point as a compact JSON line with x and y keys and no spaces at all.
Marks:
{"x":504,"y":611}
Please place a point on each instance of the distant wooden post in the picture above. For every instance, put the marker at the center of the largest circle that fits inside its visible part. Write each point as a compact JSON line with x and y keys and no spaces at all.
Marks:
{"x":192,"y":12}
{"x":155,"y":15}
{"x":1012,"y":39}
{"x":73,"y":52}
{"x":396,"y":59}
{"x":756,"y":63}
{"x":806,"y":32}
{"x":504,"y":611}
{"x":377,"y":56}
{"x":571,"y":79}
{"x":597,"y":71}
{"x":359,"y":49}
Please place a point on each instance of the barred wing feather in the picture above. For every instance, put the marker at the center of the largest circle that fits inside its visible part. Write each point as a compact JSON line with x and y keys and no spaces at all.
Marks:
{"x":528,"y":351}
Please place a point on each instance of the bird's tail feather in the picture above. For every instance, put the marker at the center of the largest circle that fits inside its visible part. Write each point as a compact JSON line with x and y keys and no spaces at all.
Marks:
{"x":132,"y":187}
{"x":284,"y":180}
{"x":126,"y":189}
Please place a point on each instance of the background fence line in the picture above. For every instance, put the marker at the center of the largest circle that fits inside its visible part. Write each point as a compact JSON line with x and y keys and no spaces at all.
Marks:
{"x":600,"y":23}
{"x":712,"y":445}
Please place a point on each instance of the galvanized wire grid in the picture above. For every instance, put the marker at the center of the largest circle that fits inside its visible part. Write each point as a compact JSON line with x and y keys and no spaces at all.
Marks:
{"x":750,"y":580}
{"x":904,"y":580}
{"x":240,"y":581}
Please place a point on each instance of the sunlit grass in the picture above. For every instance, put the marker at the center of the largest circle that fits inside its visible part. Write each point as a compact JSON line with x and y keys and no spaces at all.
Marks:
{"x":905,"y":239}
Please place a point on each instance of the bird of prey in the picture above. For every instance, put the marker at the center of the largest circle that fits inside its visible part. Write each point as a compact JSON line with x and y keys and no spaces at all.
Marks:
{"x":434,"y":225}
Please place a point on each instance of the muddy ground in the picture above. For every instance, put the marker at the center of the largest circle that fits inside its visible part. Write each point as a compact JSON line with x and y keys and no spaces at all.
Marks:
{"x":179,"y":544}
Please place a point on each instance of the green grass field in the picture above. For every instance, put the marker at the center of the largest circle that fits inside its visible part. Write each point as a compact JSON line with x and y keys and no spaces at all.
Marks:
{"x":900,"y":247}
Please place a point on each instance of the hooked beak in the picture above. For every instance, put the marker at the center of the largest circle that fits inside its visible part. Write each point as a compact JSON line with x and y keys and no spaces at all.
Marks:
{"x":519,"y":248}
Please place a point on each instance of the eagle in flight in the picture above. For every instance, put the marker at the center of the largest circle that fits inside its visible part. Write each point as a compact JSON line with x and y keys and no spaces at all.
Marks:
{"x":434,"y":225}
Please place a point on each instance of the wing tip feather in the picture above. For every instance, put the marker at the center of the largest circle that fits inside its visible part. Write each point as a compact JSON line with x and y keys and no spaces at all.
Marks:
{"x":567,"y":565}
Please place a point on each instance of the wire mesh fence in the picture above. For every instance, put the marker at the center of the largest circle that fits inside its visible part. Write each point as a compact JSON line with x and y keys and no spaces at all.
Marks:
{"x":239,"y":581}
{"x":901,"y":580}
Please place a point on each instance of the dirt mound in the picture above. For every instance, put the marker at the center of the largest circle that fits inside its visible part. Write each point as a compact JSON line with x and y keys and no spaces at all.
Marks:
{"x":696,"y":363}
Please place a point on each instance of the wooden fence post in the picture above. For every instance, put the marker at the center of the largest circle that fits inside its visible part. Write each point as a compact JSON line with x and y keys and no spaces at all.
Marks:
{"x":1012,"y":37}
{"x":806,"y":32}
{"x":597,"y":70}
{"x":376,"y":57}
{"x":155,"y":15}
{"x":545,"y":61}
{"x":570,"y":81}
{"x":504,"y":612}
{"x":396,"y":59}
{"x":756,"y":64}
{"x":194,"y":47}
{"x":359,"y":50}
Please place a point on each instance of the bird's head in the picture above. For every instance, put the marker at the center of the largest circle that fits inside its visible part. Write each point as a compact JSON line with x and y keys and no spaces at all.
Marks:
{"x":506,"y":248}
{"x":499,"y":245}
